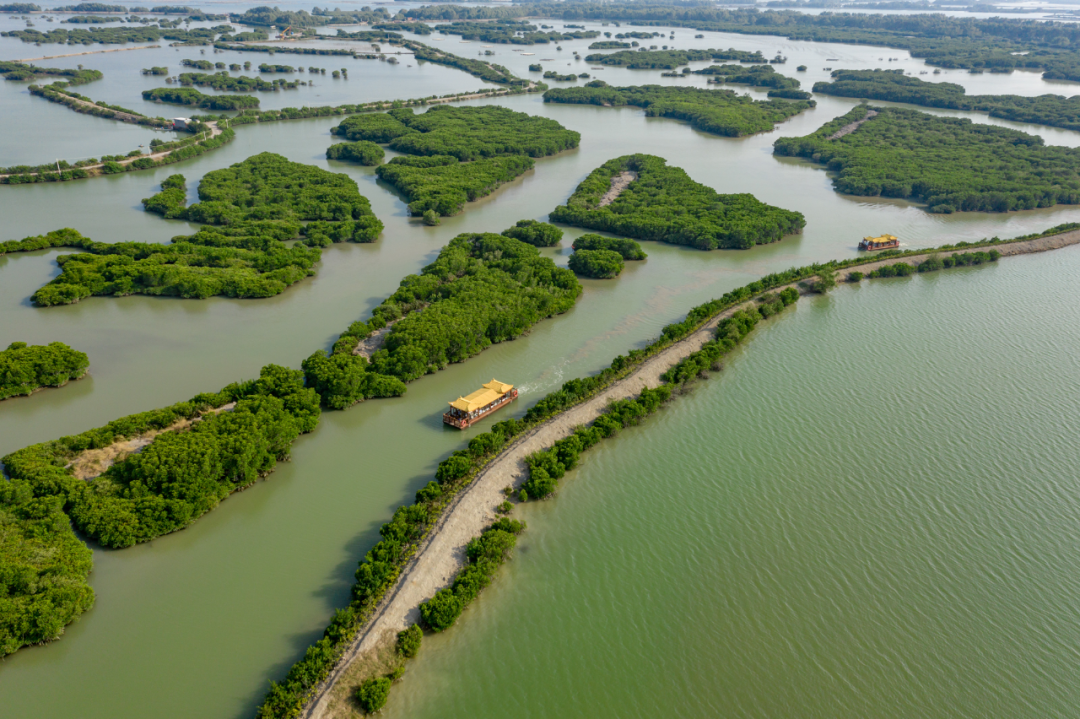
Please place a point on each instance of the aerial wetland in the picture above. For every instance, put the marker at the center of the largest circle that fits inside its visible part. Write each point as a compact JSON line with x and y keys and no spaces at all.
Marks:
{"x":867,"y":509}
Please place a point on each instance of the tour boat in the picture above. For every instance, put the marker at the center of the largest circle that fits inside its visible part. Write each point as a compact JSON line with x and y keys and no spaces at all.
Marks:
{"x":884,"y":242}
{"x":467,"y":410}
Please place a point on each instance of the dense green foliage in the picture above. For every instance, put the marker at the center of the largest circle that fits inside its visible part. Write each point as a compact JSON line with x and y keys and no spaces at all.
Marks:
{"x":609,"y":45}
{"x":721,"y":112}
{"x":24,"y":368}
{"x":441,"y":184}
{"x":537,"y":234}
{"x":598,"y":264}
{"x":342,"y":379}
{"x":250,"y":208}
{"x":191,"y":96}
{"x":118,"y":35}
{"x":627,"y":249}
{"x":754,"y":75}
{"x":665,"y":205}
{"x":224,"y":81}
{"x":21,"y":71}
{"x":470,"y":133}
{"x":950,"y":164}
{"x":484,"y":553}
{"x":43,"y":568}
{"x":513,"y":32}
{"x":362,"y":152}
{"x":183,"y":472}
{"x":487,"y":71}
{"x":372,"y":694}
{"x":894,"y":86}
{"x":957,"y":259}
{"x":670,"y":59}
{"x":482,"y":289}
{"x":377,"y":127}
{"x":409,"y":640}
{"x":493,"y":138}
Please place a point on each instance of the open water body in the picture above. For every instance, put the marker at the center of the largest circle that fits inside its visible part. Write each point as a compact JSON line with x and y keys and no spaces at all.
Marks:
{"x":197,"y":623}
{"x":873,"y":511}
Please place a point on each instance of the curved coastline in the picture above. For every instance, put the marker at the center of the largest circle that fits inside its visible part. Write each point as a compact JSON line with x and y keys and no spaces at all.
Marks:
{"x":441,"y":554}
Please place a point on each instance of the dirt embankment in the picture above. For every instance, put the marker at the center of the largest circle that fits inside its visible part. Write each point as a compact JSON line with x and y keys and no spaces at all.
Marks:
{"x":618,"y":183}
{"x":442,"y":554}
{"x":92,"y":463}
{"x":848,"y":129}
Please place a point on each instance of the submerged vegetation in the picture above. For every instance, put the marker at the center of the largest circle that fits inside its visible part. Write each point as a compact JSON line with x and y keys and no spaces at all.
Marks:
{"x":663,"y":204}
{"x":24,"y":368}
{"x":721,"y":112}
{"x":950,"y":164}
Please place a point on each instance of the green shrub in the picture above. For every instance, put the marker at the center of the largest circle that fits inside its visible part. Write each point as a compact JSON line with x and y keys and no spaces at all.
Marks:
{"x":24,"y":369}
{"x":599,"y":264}
{"x":628,"y":249}
{"x":361,"y":152}
{"x":372,"y":694}
{"x":537,"y":234}
{"x":431,"y":218}
{"x":408,"y":641}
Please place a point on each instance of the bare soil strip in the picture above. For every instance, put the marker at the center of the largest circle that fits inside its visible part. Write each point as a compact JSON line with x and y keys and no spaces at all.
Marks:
{"x":618,"y":184}
{"x":88,"y":52}
{"x":92,"y":463}
{"x":438,"y":559}
{"x":848,"y":129}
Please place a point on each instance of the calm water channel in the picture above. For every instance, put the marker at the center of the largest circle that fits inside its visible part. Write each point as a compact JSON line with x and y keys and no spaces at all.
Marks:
{"x":787,"y":543}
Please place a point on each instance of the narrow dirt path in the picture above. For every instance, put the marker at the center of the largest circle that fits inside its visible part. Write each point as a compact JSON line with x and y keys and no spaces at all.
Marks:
{"x":618,"y":183}
{"x":848,"y":129}
{"x":88,"y":52}
{"x":214,"y":132}
{"x":438,"y":559}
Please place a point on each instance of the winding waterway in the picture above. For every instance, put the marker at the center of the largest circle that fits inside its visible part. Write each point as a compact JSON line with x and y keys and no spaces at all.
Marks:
{"x":793,"y":487}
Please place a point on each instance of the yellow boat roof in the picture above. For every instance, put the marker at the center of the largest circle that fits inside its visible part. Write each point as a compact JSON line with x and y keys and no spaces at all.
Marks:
{"x":883,"y":238}
{"x":490,"y":392}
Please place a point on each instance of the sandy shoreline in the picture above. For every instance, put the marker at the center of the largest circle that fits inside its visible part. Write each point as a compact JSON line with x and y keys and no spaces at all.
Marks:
{"x":438,"y":559}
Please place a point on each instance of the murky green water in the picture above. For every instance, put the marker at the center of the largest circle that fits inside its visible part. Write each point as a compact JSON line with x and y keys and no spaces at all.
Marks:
{"x":873,"y":511}
{"x":197,"y":623}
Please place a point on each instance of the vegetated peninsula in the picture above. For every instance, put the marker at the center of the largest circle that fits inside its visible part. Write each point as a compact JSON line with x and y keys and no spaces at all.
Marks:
{"x":755,"y":76}
{"x":640,"y":196}
{"x":460,"y":153}
{"x":720,"y":112}
{"x":894,"y":86}
{"x":950,"y":164}
{"x":482,"y":289}
{"x":25,"y":369}
{"x":669,"y":59}
{"x":22,"y":71}
{"x":249,"y":210}
{"x":191,"y":96}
